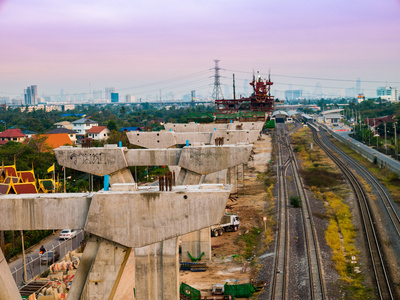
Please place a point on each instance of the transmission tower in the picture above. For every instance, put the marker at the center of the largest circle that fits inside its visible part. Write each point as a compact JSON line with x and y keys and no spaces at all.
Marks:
{"x":217,"y":92}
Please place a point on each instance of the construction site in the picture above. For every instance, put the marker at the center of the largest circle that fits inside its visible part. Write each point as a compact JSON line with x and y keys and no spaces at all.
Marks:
{"x":182,"y":234}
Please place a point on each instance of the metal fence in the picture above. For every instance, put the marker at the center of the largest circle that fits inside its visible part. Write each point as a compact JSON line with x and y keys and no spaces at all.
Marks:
{"x":34,"y":265}
{"x":370,"y":154}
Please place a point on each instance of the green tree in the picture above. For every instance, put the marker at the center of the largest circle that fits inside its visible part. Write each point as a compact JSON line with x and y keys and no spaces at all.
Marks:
{"x":112,"y":125}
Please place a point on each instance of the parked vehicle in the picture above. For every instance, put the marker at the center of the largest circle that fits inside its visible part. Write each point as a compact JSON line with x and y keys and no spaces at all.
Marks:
{"x":67,"y":234}
{"x":49,"y":257}
{"x":229,"y":222}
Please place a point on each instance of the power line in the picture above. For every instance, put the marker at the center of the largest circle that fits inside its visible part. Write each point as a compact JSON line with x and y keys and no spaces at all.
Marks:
{"x":321,"y":78}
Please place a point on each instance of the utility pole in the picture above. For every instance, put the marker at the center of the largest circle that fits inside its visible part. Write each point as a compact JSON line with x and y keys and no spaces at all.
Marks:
{"x":385,"y":137}
{"x":376,"y":136}
{"x":234,"y":88}
{"x":217,"y":92}
{"x":395,"y":139}
{"x":23,"y":256}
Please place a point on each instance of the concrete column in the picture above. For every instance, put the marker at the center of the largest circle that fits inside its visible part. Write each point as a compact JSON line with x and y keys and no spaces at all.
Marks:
{"x":8,"y":288}
{"x":157,"y":271}
{"x":196,"y":243}
{"x":122,"y":176}
{"x":187,"y":177}
{"x":99,"y":273}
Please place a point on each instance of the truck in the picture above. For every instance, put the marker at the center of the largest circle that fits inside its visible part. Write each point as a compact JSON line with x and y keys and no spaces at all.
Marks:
{"x":229,"y":222}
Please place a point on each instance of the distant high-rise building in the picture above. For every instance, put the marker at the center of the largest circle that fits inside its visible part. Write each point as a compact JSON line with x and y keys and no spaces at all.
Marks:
{"x":97,"y":94}
{"x":293,"y":94}
{"x":30,"y":94}
{"x":388,"y":93}
{"x":108,"y":92}
{"x":34,"y":94}
{"x":358,"y":86}
{"x":129,"y":98}
{"x":318,"y":91}
{"x":114,"y":97}
{"x":351,"y":93}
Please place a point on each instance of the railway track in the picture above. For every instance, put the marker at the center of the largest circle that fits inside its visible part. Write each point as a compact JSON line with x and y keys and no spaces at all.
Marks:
{"x":281,"y":267}
{"x":384,"y":288}
{"x":391,"y":209}
{"x":279,"y":278}
{"x":317,"y":284}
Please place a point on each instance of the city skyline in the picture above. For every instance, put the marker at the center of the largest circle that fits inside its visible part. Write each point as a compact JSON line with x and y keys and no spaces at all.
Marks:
{"x":140,"y":48}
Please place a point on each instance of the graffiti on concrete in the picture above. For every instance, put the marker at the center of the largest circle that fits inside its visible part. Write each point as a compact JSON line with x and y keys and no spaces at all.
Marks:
{"x":88,"y":158}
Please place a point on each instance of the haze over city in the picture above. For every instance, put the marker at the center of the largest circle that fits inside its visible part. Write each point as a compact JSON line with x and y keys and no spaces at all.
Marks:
{"x":81,"y":47}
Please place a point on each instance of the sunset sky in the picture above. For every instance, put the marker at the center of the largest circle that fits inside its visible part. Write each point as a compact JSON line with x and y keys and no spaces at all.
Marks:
{"x":80,"y":46}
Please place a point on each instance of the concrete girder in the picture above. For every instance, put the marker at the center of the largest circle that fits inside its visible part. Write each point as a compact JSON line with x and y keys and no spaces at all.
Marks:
{"x":194,"y":127}
{"x":167,"y":139}
{"x":44,"y":211}
{"x":198,"y":159}
{"x":153,"y":157}
{"x":209,"y":159}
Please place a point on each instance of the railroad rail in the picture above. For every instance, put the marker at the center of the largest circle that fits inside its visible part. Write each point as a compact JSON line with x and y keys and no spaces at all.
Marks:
{"x":390,"y":208}
{"x":383,"y":285}
{"x":280,"y":279}
{"x":317,"y":280}
{"x":280,"y":276}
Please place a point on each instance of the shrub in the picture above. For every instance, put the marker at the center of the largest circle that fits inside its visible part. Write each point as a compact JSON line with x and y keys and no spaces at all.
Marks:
{"x":321,"y":178}
{"x":295,"y":201}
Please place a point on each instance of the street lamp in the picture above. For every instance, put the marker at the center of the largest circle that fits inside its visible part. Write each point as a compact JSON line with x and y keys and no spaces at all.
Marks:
{"x":395,"y":140}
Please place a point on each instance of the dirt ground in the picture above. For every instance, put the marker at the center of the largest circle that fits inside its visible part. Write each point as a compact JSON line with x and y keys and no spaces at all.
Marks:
{"x":224,"y":266}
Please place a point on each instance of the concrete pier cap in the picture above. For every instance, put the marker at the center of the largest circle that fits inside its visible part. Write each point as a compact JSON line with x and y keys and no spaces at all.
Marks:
{"x":146,"y":216}
{"x":99,"y":161}
{"x":167,"y":139}
{"x":127,"y":215}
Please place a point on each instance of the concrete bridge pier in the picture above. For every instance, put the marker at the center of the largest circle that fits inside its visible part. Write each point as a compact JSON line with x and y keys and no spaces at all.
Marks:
{"x":196,"y":243}
{"x":100,"y":270}
{"x":157,"y":271}
{"x":8,"y":288}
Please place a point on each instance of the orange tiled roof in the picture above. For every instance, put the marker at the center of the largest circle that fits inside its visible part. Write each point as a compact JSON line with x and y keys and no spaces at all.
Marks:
{"x":55,"y":140}
{"x":96,"y":129}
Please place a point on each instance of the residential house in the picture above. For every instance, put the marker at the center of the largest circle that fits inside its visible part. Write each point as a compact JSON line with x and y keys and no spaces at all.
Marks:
{"x":29,"y":133}
{"x":98,"y":132}
{"x":128,"y":129}
{"x":82,"y":126}
{"x":64,"y":124}
{"x":51,"y":141}
{"x":71,"y":133}
{"x":15,"y":135}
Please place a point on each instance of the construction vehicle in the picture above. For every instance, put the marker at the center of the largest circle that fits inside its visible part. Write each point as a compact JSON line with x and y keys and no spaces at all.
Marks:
{"x":229,"y":222}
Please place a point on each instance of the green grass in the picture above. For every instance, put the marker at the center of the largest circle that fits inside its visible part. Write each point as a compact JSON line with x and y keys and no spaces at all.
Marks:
{"x":250,"y":241}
